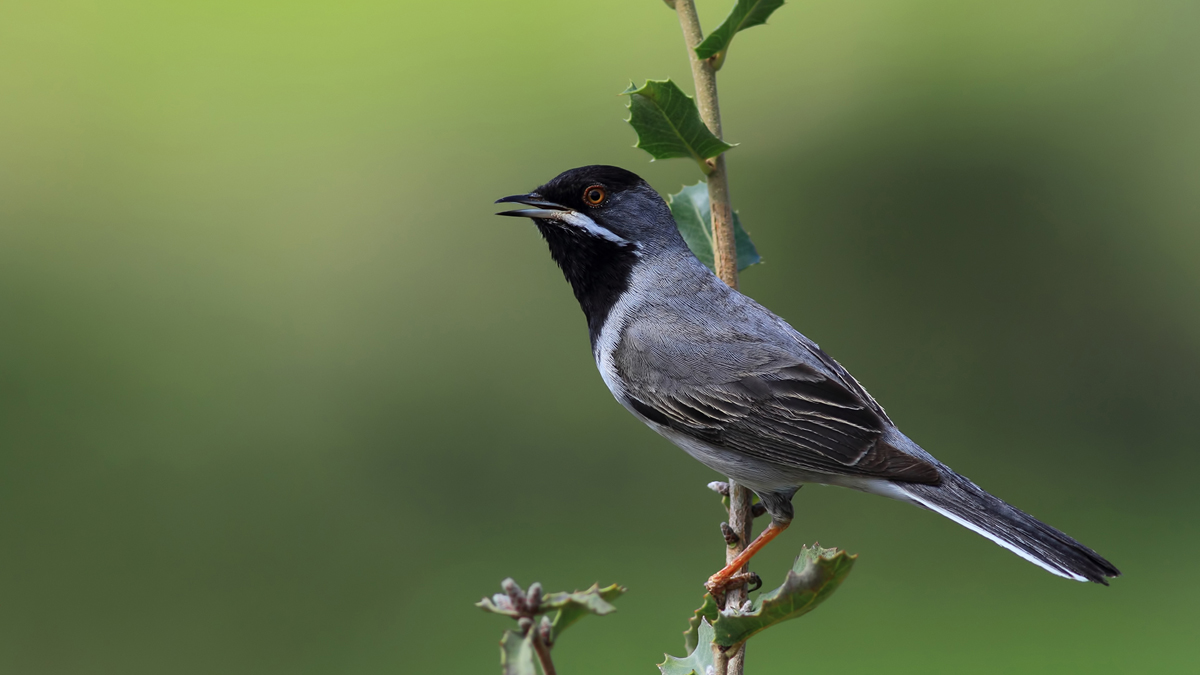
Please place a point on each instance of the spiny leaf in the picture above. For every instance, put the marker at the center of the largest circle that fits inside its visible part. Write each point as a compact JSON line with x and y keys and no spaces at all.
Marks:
{"x":745,"y":14}
{"x":499,"y":604}
{"x":668,"y":124}
{"x":574,"y":606}
{"x":516,"y":654}
{"x":707,"y":612}
{"x":693,"y":216}
{"x":816,"y":574}
{"x":698,"y":661}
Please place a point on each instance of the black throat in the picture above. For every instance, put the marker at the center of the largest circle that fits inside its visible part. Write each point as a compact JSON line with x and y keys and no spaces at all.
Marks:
{"x":597,"y":269}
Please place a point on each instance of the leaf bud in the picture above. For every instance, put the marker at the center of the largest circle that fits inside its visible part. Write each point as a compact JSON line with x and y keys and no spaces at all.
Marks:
{"x":533,"y":599}
{"x":514,"y":592}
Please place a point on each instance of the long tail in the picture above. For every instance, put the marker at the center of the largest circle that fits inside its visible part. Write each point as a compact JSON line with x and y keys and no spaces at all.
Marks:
{"x":965,"y":503}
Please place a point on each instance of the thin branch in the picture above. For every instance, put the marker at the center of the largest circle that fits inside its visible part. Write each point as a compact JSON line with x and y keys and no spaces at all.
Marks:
{"x":741,"y":521}
{"x":705,"y":77}
{"x":543,"y":652}
{"x":725,"y":264}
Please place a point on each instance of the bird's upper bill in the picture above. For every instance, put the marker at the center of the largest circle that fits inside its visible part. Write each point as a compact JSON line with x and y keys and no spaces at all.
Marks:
{"x":543,"y":208}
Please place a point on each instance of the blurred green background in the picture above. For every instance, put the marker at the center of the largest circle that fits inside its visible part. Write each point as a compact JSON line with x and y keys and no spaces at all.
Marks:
{"x":278,"y":394}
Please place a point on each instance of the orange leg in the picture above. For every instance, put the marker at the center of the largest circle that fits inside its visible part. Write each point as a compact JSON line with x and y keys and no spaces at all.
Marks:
{"x":717,"y":582}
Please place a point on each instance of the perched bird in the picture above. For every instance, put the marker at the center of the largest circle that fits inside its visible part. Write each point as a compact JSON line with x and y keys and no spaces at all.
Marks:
{"x":738,"y":388}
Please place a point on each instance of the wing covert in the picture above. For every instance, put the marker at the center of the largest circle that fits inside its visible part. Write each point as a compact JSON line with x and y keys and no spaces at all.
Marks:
{"x":794,"y":415}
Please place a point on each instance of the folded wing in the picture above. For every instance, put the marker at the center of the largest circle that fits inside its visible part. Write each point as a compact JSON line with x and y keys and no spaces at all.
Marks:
{"x":798,"y":409}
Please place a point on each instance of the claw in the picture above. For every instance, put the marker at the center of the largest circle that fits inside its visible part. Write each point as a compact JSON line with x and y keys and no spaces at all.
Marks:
{"x":753,"y":583}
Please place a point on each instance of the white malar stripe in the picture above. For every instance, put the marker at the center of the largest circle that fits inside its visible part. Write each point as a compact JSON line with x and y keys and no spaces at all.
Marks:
{"x":978,"y":530}
{"x":624,"y":310}
{"x":577,"y":219}
{"x":606,"y":344}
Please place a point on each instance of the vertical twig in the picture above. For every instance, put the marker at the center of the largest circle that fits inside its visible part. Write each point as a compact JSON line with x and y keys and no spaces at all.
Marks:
{"x":705,"y":78}
{"x":725,"y":263}
{"x":543,"y":653}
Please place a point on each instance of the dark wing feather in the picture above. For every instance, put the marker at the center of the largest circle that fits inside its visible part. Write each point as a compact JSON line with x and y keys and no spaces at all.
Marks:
{"x":792,"y":415}
{"x":714,"y":365}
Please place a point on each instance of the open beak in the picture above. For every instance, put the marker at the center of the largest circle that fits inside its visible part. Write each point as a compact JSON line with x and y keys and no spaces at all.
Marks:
{"x":542,"y":208}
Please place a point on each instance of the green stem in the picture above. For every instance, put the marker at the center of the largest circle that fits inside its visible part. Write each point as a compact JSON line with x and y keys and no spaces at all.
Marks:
{"x":705,"y":78}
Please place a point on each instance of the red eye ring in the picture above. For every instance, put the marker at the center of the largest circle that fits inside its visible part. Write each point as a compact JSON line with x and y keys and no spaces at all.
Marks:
{"x":594,"y":195}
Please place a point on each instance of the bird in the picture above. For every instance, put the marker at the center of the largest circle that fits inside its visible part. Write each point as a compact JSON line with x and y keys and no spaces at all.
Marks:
{"x":737,"y":387}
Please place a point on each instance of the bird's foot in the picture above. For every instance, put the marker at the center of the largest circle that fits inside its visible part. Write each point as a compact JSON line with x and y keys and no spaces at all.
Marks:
{"x":721,"y":580}
{"x":719,"y":586}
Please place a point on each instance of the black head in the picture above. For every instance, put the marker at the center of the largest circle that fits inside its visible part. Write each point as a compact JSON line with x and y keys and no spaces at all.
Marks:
{"x":601,"y":201}
{"x":599,"y":222}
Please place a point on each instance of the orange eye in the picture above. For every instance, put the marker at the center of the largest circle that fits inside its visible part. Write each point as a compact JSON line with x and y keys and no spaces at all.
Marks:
{"x":594,"y":195}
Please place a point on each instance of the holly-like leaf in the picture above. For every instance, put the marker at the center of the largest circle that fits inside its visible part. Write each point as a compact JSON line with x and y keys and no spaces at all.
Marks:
{"x":700,"y":658}
{"x":745,"y":14}
{"x":574,"y":606}
{"x":516,"y":654}
{"x":707,"y":612}
{"x":816,"y":574}
{"x":693,"y":216}
{"x":668,"y":124}
{"x":499,"y":604}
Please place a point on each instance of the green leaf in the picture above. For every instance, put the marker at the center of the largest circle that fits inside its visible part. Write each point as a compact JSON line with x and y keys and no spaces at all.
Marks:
{"x":693,"y":217}
{"x":516,"y":654}
{"x":700,"y":658}
{"x":499,"y":604}
{"x":707,"y":612}
{"x":745,"y":14}
{"x":816,"y":574}
{"x":668,"y":124}
{"x":574,"y":606}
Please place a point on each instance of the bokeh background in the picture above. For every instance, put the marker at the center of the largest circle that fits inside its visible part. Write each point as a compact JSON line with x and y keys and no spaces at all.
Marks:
{"x":278,"y":394}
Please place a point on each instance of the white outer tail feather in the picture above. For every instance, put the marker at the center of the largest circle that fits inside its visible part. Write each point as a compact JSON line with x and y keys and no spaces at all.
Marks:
{"x":908,"y":496}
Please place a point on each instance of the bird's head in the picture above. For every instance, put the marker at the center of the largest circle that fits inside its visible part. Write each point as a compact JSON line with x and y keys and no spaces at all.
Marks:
{"x":600,"y":202}
{"x":602,"y":222}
